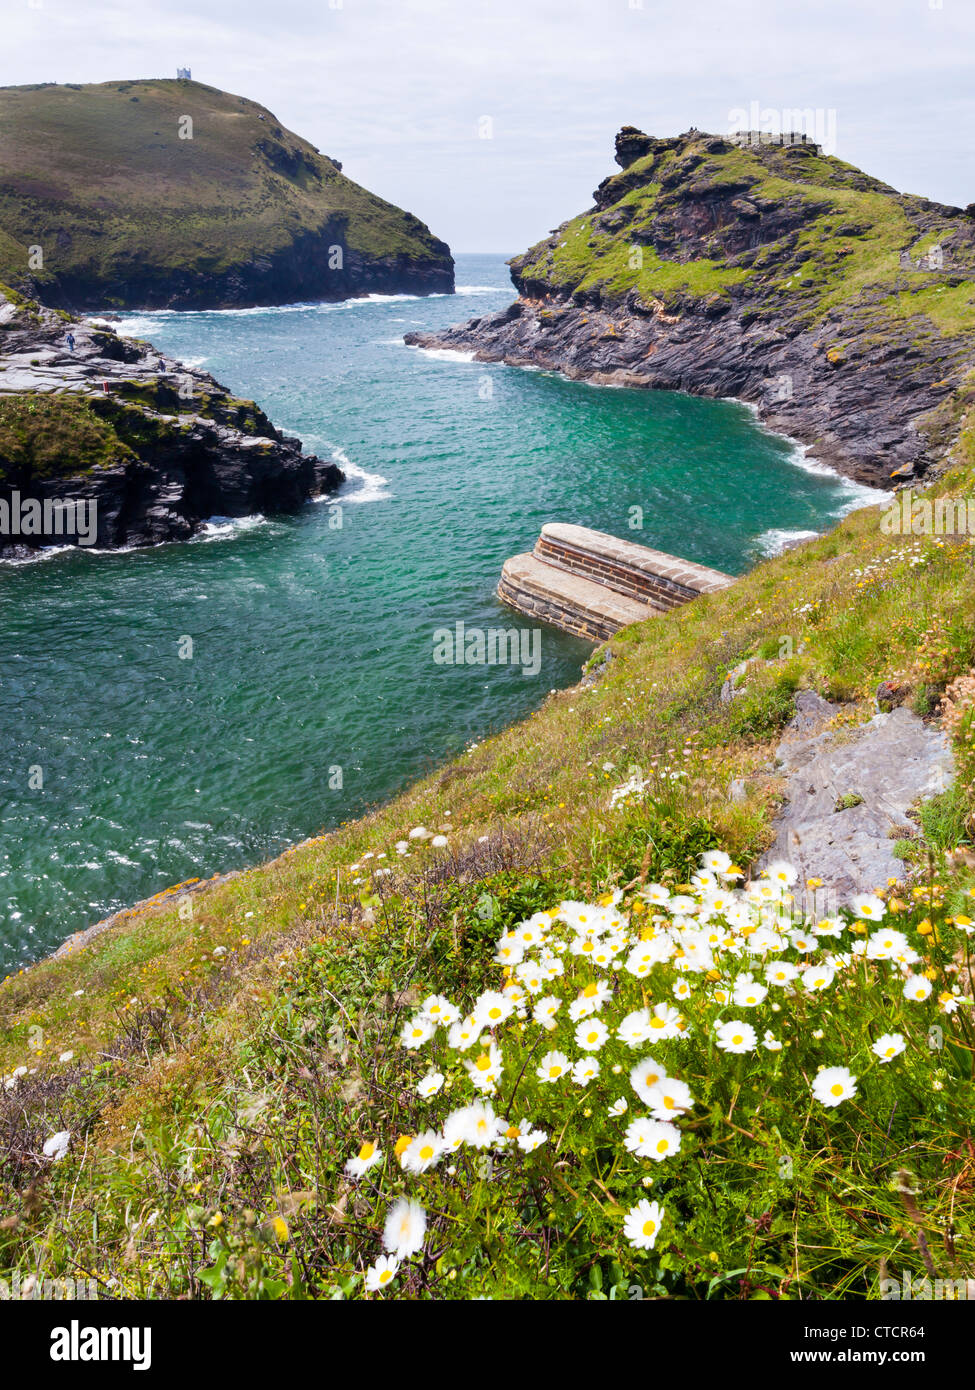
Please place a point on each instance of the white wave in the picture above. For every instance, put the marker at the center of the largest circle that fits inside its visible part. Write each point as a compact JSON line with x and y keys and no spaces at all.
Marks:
{"x":484,"y":289}
{"x":225,"y":528}
{"x":773,"y":542}
{"x":371,"y":485}
{"x":44,"y":552}
{"x":446,"y":354}
{"x":192,"y":361}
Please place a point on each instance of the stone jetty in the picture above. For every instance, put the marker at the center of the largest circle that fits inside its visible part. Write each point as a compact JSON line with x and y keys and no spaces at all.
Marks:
{"x":592,"y":584}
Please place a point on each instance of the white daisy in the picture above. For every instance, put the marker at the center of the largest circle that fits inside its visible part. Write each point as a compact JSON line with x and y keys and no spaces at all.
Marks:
{"x":833,"y":1085}
{"x":889,"y":1046}
{"x":405,"y":1228}
{"x":642,"y":1223}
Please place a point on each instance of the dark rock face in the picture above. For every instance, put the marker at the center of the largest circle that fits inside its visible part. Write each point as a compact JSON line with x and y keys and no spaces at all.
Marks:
{"x":299,"y":272}
{"x":869,"y":408}
{"x":187,"y":449}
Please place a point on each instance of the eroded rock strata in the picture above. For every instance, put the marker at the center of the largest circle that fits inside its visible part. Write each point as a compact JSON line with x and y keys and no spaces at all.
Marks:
{"x":158,"y":447}
{"x":841,"y":309}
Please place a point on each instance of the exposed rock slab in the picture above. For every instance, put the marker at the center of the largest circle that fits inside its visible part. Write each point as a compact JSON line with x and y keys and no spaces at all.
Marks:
{"x":891,"y":762}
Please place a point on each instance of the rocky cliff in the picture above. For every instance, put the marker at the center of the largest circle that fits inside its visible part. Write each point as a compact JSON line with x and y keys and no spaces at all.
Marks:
{"x":90,"y":417}
{"x":843,"y":310}
{"x":173,"y":194}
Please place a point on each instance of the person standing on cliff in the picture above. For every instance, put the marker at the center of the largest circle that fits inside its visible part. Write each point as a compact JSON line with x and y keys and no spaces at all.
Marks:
{"x":70,"y":342}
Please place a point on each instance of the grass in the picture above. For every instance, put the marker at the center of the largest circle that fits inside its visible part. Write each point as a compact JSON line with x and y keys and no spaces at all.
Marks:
{"x":826,"y":238}
{"x":99,"y":176}
{"x":232,"y":1044}
{"x":54,"y":436}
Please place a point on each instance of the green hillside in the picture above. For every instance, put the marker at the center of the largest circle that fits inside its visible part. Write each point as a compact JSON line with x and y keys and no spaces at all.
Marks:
{"x":785,"y":226}
{"x":130,"y":214}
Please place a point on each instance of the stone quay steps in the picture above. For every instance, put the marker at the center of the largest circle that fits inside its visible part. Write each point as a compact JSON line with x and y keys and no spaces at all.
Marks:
{"x":592,"y":584}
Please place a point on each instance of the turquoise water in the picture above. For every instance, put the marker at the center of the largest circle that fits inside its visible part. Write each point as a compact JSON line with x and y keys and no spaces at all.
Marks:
{"x":313,"y":645}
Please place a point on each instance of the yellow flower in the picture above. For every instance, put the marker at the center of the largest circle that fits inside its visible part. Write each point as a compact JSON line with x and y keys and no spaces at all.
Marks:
{"x":925,"y":928}
{"x":280,"y":1228}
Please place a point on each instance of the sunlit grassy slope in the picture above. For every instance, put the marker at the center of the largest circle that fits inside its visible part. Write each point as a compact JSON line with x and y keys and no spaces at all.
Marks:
{"x":231,"y":1047}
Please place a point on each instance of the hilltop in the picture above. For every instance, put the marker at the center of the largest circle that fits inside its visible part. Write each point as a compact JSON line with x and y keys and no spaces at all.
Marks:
{"x":842,"y":309}
{"x":173,"y":194}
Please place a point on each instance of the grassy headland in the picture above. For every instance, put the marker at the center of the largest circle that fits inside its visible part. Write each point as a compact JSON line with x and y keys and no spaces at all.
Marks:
{"x":154,"y":193}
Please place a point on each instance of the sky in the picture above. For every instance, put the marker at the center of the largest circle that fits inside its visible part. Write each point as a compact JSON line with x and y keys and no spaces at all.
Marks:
{"x":493,"y":120}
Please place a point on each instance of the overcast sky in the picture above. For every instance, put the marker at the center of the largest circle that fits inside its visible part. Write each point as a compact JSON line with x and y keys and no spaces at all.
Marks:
{"x":399,"y":89}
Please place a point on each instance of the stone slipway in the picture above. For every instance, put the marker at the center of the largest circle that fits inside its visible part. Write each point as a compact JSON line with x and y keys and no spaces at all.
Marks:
{"x":592,"y":584}
{"x":891,"y":762}
{"x":567,"y":601}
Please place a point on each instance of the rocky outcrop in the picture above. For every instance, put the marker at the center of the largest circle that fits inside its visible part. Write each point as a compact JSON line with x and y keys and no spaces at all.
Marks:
{"x":849,"y":792}
{"x":87,"y":417}
{"x":773,"y":275}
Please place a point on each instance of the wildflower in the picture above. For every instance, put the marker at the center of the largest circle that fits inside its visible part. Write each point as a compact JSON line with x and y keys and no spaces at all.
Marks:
{"x":590,"y":1034}
{"x":381,"y":1273}
{"x":480,"y":1124}
{"x":748,"y":994}
{"x":429,"y":1085}
{"x":868,"y":905}
{"x":715,"y":861}
{"x":889,"y":1046}
{"x":770,"y":1042}
{"x":652,"y":1139}
{"x":635,"y":1028}
{"x":552,"y":1066}
{"x":417,"y":1031}
{"x":368,"y":1156}
{"x":736,"y":1036}
{"x":886,"y":945}
{"x":511,"y":950}
{"x":656,"y":893}
{"x":665,"y":1023}
{"x":668,"y":1097}
{"x":545,"y":1010}
{"x":584,"y":1070}
{"x":834,"y":1084}
{"x":645,"y":1076}
{"x":57,"y":1146}
{"x":641,"y":1226}
{"x":817,"y":977}
{"x":781,"y":972}
{"x":916,"y":987}
{"x":492,"y":1008}
{"x":405,"y":1228}
{"x":618,"y":1107}
{"x":66,"y":1057}
{"x":463,"y":1034}
{"x":531,"y":1139}
{"x":779,"y":872}
{"x":803,"y":941}
{"x":438,"y":841}
{"x":419,"y":832}
{"x":423,"y":1153}
{"x":439,"y":1010}
{"x":485,"y":1070}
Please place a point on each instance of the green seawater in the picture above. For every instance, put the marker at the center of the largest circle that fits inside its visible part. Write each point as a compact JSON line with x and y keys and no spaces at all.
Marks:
{"x":312,"y":645}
